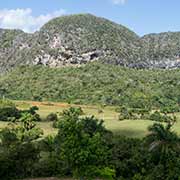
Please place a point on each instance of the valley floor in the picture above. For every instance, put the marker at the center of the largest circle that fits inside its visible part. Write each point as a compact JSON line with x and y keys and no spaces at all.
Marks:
{"x":129,"y":128}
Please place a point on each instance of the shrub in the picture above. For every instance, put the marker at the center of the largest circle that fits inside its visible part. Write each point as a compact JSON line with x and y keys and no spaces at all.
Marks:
{"x":126,"y":113}
{"x":156,"y":116}
{"x":170,"y":109}
{"x":32,"y":110}
{"x":8,"y":110}
{"x":52,"y":117}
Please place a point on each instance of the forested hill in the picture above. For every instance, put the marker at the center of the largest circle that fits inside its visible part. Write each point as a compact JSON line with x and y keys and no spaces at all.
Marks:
{"x":78,"y":39}
{"x":94,"y":83}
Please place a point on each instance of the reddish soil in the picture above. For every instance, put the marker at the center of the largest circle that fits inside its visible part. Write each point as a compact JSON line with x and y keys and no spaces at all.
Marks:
{"x":62,"y":105}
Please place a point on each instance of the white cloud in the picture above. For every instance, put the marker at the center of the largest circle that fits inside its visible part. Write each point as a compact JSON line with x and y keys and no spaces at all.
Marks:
{"x":24,"y":19}
{"x":118,"y":1}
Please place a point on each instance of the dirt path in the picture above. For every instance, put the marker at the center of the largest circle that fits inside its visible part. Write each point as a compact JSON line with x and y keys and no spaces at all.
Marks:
{"x":57,"y":104}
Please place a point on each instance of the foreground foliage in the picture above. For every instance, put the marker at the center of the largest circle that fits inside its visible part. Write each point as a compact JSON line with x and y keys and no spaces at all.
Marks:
{"x":9,"y":112}
{"x":18,"y":151}
{"x":83,"y":145}
{"x":84,"y":149}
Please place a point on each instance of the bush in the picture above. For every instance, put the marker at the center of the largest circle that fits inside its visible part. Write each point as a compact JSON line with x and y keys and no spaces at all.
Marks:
{"x":100,"y":111}
{"x":156,"y":116}
{"x":8,"y":110}
{"x":32,"y":110}
{"x":18,"y":161}
{"x":170,"y":109}
{"x":52,"y":117}
{"x":126,"y":113}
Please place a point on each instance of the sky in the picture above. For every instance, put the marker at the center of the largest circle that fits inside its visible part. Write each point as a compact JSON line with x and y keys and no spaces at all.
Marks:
{"x":141,"y":16}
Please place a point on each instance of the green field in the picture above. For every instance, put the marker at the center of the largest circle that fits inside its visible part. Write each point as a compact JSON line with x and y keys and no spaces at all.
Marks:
{"x":129,"y":128}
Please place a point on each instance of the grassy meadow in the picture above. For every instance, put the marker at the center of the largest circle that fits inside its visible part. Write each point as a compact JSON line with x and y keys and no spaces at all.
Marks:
{"x":129,"y":128}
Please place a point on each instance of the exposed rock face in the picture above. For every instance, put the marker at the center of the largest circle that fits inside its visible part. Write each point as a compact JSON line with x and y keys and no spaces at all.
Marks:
{"x":61,"y":55}
{"x":78,"y":39}
{"x":162,"y":50}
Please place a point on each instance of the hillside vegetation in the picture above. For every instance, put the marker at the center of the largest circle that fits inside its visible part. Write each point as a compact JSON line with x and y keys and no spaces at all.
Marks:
{"x":94,"y":83}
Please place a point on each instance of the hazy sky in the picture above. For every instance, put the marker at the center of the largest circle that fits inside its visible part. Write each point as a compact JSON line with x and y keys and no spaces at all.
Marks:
{"x":142,"y":16}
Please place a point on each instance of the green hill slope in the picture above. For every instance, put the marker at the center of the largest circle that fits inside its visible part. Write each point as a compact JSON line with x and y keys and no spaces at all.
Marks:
{"x":93,"y":83}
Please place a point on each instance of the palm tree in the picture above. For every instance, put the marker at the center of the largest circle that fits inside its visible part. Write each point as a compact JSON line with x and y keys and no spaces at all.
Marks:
{"x":162,"y":139}
{"x":164,"y":144}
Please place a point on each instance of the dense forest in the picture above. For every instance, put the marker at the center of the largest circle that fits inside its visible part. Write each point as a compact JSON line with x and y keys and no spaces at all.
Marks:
{"x":94,"y":83}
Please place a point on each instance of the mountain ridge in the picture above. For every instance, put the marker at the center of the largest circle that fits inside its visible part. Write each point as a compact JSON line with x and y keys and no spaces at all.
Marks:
{"x":78,"y":39}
